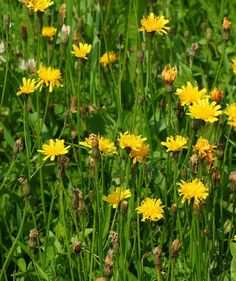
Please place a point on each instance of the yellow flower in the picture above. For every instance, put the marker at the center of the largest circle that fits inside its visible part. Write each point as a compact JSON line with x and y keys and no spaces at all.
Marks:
{"x":117,"y":196}
{"x":107,"y":58}
{"x":188,"y":94}
{"x":140,"y":154}
{"x":204,"y":110}
{"x":28,"y":87}
{"x":203,"y":147}
{"x":53,"y":149}
{"x":195,"y":190}
{"x":153,"y":23}
{"x":234,"y":65}
{"x":106,"y":146}
{"x":176,"y":143}
{"x":169,"y":74}
{"x":49,"y":31}
{"x":151,"y":209}
{"x":130,"y":141}
{"x":39,"y":5}
{"x":82,"y":51}
{"x":50,"y":77}
{"x":231,"y":113}
{"x":234,"y":239}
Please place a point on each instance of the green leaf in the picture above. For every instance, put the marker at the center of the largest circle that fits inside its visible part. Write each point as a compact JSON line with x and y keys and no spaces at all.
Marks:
{"x":233,"y":262}
{"x":42,"y":274}
{"x":21,"y":264}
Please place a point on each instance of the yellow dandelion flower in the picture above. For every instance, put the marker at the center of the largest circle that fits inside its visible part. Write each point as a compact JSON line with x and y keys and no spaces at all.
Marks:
{"x":53,"y":149}
{"x":106,"y":146}
{"x":204,"y":110}
{"x":82,"y":51}
{"x":130,"y":141}
{"x":194,"y":189}
{"x":153,"y":23}
{"x":28,"y":87}
{"x":188,"y":94}
{"x":151,"y":209}
{"x":39,"y":5}
{"x":176,"y":143}
{"x":203,"y":147}
{"x":109,"y":57}
{"x":117,"y":196}
{"x":50,"y":77}
{"x":234,"y":65}
{"x":49,"y":31}
{"x":169,"y":74}
{"x":231,"y":113}
{"x":140,"y":154}
{"x":234,"y":239}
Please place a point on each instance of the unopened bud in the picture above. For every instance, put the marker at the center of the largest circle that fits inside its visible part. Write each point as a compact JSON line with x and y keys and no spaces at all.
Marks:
{"x":23,"y":181}
{"x":175,"y":248}
{"x":18,"y":147}
{"x":32,"y":238}
{"x":77,"y":247}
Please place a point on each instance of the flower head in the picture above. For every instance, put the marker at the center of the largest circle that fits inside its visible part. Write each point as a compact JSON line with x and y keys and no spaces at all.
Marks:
{"x":176,"y":143}
{"x":216,"y":94}
{"x":130,"y":141}
{"x":49,"y":31}
{"x":203,"y":147}
{"x":188,"y":94}
{"x":226,"y":24}
{"x":39,"y":5}
{"x":28,"y":87}
{"x":106,"y":146}
{"x":140,"y":154}
{"x":53,"y":149}
{"x":169,"y":74}
{"x":151,"y":209}
{"x":153,"y":23}
{"x":109,"y":57}
{"x":50,"y":77}
{"x":194,"y":189}
{"x":202,"y":109}
{"x":234,"y":65}
{"x":231,"y":113}
{"x":117,"y":196}
{"x":82,"y":51}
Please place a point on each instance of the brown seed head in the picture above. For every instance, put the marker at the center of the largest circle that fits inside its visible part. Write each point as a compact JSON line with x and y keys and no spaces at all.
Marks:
{"x":232,"y":178}
{"x":77,"y":247}
{"x":175,"y":248}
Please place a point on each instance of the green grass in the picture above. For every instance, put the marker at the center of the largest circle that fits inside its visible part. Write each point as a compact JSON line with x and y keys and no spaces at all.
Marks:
{"x":73,"y":240}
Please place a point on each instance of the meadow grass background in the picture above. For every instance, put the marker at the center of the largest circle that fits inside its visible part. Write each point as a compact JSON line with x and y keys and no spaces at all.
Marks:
{"x":129,"y":95}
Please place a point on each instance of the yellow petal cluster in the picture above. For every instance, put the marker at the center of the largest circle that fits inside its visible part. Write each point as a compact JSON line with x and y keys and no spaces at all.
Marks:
{"x":176,"y":143}
{"x":39,"y":5}
{"x":28,"y":87}
{"x":49,"y":31}
{"x":204,"y":110}
{"x":189,"y":94}
{"x":53,"y":149}
{"x":117,"y":196}
{"x":193,"y":190}
{"x":152,"y":23}
{"x":109,"y":57}
{"x":231,"y":113}
{"x":50,"y":77}
{"x":151,"y":209}
{"x":82,"y":50}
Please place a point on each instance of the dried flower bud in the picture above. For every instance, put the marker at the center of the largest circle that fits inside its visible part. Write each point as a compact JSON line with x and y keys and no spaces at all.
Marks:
{"x":91,"y":195}
{"x":232,"y":178}
{"x":169,"y":74}
{"x":73,"y":133}
{"x":175,"y":248}
{"x":226,"y":25}
{"x":92,"y":108}
{"x":77,"y":247}
{"x":108,"y":264}
{"x":140,"y":56}
{"x":102,"y":279}
{"x":216,"y":94}
{"x":216,"y":175}
{"x":193,"y":162}
{"x":197,"y":208}
{"x":92,"y":166}
{"x":114,"y":237}
{"x":95,"y":146}
{"x":65,"y":33}
{"x":157,"y":257}
{"x":77,"y":200}
{"x":62,"y":13}
{"x":173,"y":210}
{"x":32,"y":238}
{"x":73,"y":104}
{"x":207,"y":233}
{"x":18,"y":147}
{"x":123,"y":206}
{"x":24,"y":31}
{"x":23,"y":181}
{"x":193,"y":49}
{"x":62,"y":163}
{"x":1,"y":133}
